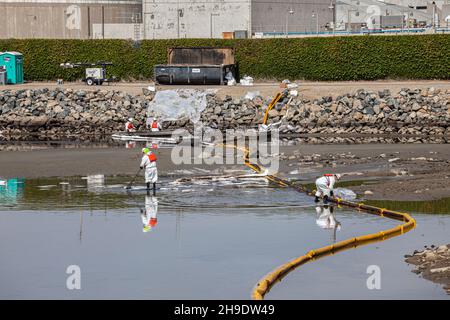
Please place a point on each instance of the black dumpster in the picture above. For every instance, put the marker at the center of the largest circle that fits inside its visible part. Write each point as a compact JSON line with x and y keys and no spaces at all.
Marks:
{"x":198,"y":65}
{"x":192,"y":74}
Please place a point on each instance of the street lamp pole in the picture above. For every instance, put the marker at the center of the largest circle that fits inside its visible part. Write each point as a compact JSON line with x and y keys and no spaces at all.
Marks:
{"x":211,"y":23}
{"x":332,"y":7}
{"x":349,"y":18}
{"x":290,"y":12}
{"x":317,"y":23}
{"x":407,"y":21}
{"x":316,"y":15}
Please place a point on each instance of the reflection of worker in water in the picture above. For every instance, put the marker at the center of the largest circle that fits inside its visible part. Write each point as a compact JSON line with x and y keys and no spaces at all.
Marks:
{"x":130,"y":144}
{"x":325,"y":186}
{"x":148,"y":163}
{"x":149,"y":213}
{"x":326,"y":219}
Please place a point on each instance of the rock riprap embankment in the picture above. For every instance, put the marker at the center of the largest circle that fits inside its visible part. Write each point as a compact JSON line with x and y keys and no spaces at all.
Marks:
{"x":408,"y":112}
{"x":55,"y":112}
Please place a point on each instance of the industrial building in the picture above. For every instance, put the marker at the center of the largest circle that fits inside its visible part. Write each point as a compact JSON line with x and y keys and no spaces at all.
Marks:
{"x":194,"y":19}
{"x":352,"y":15}
{"x":70,"y":19}
{"x":300,"y":16}
{"x":169,"y":19}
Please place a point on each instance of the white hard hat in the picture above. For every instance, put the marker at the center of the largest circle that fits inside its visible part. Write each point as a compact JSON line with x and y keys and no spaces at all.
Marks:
{"x":130,"y":119}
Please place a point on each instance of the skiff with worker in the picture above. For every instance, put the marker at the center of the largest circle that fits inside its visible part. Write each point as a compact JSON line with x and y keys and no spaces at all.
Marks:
{"x":129,"y":126}
{"x":155,"y":126}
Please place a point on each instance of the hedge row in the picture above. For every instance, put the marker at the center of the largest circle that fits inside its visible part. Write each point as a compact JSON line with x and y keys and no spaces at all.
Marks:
{"x":326,"y":58}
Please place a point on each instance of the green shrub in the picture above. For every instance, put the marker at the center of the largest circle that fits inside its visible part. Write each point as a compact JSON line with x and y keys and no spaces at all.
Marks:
{"x":325,"y":58}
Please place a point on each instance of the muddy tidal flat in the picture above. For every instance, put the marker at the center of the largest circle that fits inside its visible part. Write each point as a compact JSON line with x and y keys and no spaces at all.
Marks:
{"x":69,"y":207}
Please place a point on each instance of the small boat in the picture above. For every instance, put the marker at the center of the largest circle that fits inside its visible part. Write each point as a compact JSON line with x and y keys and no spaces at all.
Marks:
{"x":156,"y":136}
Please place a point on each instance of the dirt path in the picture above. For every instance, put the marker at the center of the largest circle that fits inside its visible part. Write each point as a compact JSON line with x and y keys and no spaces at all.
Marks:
{"x":308,"y":89}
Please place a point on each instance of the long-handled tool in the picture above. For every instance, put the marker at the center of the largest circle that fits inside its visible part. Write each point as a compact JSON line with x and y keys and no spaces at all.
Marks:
{"x":131,"y":182}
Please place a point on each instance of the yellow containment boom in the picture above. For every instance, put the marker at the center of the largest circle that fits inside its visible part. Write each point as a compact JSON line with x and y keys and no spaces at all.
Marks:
{"x":267,"y":282}
{"x":278,"y":97}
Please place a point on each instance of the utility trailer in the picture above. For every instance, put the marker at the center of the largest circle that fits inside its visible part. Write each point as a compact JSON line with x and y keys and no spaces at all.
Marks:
{"x":95,"y":73}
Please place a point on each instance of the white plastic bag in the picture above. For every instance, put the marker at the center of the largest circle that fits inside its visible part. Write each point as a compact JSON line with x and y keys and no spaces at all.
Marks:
{"x":179,"y":103}
{"x":247,"y":81}
{"x":251,"y":95}
{"x":344,"y":194}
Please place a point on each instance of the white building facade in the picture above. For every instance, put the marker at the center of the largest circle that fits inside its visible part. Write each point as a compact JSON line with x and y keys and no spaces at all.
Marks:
{"x":165,"y":19}
{"x":172,"y":19}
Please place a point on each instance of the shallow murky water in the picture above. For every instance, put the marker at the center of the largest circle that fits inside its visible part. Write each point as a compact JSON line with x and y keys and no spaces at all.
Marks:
{"x":198,"y":239}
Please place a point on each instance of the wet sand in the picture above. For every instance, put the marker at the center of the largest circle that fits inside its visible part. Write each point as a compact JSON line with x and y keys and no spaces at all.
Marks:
{"x":81,"y":161}
{"x":432,"y":264}
{"x":406,"y":172}
{"x":417,"y":172}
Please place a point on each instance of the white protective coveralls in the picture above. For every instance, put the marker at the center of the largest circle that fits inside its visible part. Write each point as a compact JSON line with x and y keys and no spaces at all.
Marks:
{"x":148,"y":122}
{"x":129,"y":127}
{"x":155,"y":126}
{"x":325,"y":184}
{"x":151,"y":171}
{"x":325,"y":219}
{"x":149,"y":214}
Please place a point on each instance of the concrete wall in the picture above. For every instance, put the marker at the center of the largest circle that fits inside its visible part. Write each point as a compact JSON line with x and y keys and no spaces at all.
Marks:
{"x":446,"y":15}
{"x":194,"y":18}
{"x":62,"y":19}
{"x":274,"y":16}
{"x":83,"y":19}
{"x":117,"y":31}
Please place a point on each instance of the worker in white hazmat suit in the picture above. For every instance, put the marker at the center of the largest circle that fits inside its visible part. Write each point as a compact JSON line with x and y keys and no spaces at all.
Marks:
{"x":129,"y":127}
{"x":149,"y":213}
{"x":325,"y":186}
{"x":148,"y":163}
{"x":156,"y":126}
{"x":149,"y":121}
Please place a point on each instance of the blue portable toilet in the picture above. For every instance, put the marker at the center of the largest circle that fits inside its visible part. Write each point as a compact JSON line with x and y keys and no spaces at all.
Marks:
{"x":13,"y":63}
